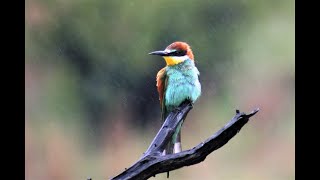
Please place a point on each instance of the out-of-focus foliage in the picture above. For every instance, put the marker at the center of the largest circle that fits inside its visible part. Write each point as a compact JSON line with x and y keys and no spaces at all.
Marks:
{"x":92,"y":106}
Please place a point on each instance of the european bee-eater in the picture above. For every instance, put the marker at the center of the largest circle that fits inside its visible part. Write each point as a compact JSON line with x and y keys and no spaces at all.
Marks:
{"x":177,"y":82}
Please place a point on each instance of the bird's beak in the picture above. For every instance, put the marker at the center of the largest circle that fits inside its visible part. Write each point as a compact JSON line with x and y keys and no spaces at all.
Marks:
{"x":159,"y":53}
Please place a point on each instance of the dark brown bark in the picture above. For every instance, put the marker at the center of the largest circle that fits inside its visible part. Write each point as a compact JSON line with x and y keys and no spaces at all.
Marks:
{"x":153,"y":162}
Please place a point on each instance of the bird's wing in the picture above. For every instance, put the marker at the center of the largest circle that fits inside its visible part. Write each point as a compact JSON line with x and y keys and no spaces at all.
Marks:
{"x":161,"y":86}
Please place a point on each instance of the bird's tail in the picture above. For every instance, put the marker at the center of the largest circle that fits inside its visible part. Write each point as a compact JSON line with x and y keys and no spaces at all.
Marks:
{"x":177,"y":144}
{"x":176,"y":138}
{"x":174,"y":146}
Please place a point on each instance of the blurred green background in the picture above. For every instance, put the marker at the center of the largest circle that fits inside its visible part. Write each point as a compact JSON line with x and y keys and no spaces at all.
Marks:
{"x":92,"y":106}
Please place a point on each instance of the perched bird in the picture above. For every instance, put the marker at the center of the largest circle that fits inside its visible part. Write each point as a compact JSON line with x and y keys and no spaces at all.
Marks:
{"x":177,"y":82}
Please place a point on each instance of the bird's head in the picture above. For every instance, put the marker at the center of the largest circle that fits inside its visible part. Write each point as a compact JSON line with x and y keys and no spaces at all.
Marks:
{"x":175,"y":53}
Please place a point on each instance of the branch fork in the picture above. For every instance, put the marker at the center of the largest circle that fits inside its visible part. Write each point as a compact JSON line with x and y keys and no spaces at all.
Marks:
{"x":154,"y":162}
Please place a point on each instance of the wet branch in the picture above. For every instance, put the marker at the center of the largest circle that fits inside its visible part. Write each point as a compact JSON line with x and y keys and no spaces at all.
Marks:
{"x":153,"y":162}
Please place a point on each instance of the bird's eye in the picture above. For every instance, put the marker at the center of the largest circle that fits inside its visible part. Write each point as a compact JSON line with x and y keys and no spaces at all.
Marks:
{"x":179,"y":53}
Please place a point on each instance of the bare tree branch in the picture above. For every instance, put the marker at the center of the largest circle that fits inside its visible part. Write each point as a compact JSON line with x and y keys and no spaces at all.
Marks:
{"x":153,"y":162}
{"x":168,"y":128}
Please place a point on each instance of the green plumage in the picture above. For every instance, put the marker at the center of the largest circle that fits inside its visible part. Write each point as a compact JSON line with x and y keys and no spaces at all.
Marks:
{"x":181,"y":83}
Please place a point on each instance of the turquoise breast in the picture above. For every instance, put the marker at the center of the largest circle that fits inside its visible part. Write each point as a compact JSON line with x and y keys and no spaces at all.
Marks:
{"x":182,"y":83}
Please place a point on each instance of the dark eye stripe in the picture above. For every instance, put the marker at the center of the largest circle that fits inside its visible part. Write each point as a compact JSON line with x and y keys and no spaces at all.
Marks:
{"x":178,"y":53}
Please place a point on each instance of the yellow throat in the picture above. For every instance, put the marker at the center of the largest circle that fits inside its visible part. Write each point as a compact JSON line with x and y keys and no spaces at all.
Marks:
{"x":173,"y":60}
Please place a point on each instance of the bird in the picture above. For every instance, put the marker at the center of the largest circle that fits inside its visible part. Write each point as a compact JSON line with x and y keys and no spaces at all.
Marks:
{"x":177,"y":82}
